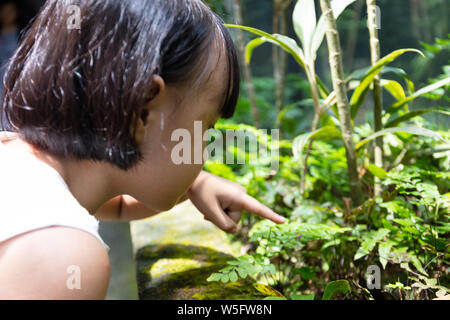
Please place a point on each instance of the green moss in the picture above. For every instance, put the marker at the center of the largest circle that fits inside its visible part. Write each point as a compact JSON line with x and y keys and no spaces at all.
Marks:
{"x":165,"y":266}
{"x":192,"y":285}
{"x":176,"y":271}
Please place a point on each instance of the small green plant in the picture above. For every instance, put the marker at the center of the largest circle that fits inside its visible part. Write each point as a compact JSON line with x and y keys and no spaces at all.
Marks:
{"x":277,"y":254}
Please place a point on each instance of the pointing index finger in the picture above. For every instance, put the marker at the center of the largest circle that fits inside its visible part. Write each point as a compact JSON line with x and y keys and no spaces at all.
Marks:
{"x":254,"y":206}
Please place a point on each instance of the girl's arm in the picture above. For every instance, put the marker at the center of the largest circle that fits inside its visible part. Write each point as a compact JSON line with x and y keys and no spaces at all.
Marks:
{"x":219,"y":200}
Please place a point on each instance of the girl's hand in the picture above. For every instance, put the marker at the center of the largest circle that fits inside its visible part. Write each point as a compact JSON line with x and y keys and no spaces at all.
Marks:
{"x":222,"y":201}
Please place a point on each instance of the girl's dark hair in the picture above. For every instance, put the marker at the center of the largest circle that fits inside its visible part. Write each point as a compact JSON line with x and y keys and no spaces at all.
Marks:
{"x":75,"y":92}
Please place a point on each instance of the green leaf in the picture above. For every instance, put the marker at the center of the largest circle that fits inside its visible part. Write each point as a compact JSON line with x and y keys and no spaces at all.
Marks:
{"x":225,"y":278}
{"x":286,"y":43}
{"x":398,"y":285}
{"x":338,"y":6}
{"x":412,"y":130}
{"x":233,"y":276}
{"x":324,"y":91}
{"x":371,"y":238}
{"x":380,"y":234}
{"x":304,"y":20}
{"x":358,"y":74}
{"x":252,"y":45}
{"x":335,"y":287}
{"x":275,"y":298}
{"x":293,"y":46}
{"x":306,"y":273}
{"x":242,"y":272}
{"x":365,"y":248}
{"x":384,"y":248}
{"x":219,"y":169}
{"x":360,"y":92}
{"x":270,"y":268}
{"x":416,"y":263}
{"x":302,"y":297}
{"x":324,"y":133}
{"x":395,"y":89}
{"x":419,"y":93}
{"x":267,"y":291}
{"x":413,"y":114}
{"x":214,"y":277}
{"x":377,"y":171}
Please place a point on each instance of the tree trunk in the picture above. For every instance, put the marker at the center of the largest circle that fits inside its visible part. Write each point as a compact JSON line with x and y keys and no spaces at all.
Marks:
{"x":377,"y":90}
{"x":337,"y":73}
{"x":415,"y":19}
{"x":237,"y":8}
{"x":426,"y":23}
{"x":279,"y":25}
{"x":276,"y":52}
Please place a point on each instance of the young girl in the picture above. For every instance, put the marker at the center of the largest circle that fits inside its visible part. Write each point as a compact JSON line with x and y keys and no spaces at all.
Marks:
{"x":92,"y":96}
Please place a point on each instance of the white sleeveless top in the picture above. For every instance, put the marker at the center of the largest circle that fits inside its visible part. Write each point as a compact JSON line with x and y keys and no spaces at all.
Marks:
{"x":33,"y":195}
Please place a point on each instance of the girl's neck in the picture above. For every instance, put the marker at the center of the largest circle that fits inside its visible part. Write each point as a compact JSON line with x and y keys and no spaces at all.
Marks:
{"x":91,"y":183}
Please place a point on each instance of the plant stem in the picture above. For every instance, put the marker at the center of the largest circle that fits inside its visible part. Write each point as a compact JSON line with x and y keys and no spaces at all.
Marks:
{"x":377,"y":90}
{"x":337,"y":73}
{"x":311,"y":75}
{"x":237,"y":8}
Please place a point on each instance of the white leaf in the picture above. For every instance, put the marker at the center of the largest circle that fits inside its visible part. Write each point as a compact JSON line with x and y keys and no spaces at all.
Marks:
{"x":304,"y":19}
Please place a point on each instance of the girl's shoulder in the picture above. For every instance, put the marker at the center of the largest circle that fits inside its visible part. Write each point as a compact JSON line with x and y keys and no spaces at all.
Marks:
{"x":33,"y":195}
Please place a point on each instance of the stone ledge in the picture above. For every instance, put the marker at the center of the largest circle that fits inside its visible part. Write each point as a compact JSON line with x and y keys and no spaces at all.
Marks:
{"x":175,"y":253}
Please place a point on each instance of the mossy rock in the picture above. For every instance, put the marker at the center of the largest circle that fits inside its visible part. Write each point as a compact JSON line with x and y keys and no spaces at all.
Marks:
{"x":177,"y":271}
{"x":176,"y":251}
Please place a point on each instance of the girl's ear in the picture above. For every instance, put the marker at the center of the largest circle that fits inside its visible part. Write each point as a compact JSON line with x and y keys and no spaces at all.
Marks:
{"x":154,"y":99}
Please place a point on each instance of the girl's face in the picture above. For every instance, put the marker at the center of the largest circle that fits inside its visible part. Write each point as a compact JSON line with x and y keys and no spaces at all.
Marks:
{"x":158,"y":181}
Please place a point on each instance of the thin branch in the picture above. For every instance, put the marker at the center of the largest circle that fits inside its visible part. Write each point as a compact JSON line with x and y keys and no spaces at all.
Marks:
{"x":337,"y":72}
{"x":377,"y":90}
